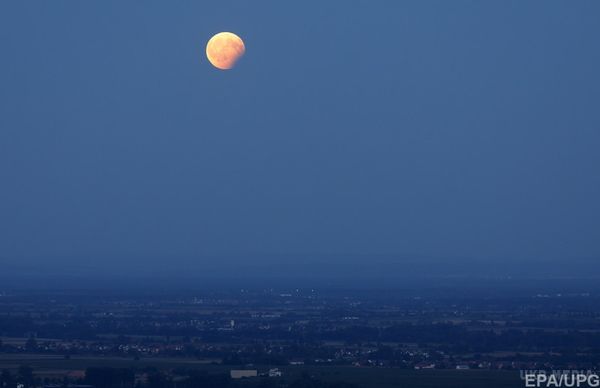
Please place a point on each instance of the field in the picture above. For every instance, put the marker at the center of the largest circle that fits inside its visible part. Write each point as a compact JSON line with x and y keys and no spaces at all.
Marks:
{"x":367,"y":377}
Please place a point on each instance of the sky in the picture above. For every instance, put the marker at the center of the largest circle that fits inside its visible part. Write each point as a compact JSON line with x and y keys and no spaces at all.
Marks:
{"x":397,"y":130}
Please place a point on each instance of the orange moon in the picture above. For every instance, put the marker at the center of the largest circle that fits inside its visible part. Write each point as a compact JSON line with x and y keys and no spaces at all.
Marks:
{"x":224,"y":49}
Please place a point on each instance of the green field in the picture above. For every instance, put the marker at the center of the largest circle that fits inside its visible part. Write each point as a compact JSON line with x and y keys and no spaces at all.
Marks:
{"x":367,"y":377}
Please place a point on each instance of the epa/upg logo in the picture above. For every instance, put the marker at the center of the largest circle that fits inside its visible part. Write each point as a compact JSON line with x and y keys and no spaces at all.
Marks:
{"x":555,"y":379}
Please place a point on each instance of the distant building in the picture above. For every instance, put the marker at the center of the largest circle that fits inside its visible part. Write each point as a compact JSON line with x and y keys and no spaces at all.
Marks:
{"x":462,"y":367}
{"x":425,"y":365}
{"x":275,"y":372}
{"x":241,"y":373}
{"x":76,"y":374}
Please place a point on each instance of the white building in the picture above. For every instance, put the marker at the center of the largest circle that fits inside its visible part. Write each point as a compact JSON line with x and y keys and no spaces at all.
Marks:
{"x":275,"y":372}
{"x":241,"y":373}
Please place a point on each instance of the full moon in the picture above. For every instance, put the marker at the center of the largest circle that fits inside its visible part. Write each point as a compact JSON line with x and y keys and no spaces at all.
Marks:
{"x":224,"y":49}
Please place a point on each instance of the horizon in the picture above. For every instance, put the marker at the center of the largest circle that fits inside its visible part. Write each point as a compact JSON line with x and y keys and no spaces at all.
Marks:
{"x":335,"y":272}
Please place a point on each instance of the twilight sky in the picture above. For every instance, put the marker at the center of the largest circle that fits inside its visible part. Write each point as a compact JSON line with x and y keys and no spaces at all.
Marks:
{"x":404,"y":129}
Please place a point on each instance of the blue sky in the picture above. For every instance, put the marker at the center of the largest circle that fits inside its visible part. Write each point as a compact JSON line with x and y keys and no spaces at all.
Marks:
{"x":406,"y":129}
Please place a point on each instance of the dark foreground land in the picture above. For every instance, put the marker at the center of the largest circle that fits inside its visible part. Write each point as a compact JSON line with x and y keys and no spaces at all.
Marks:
{"x":438,"y":337}
{"x":295,"y":376}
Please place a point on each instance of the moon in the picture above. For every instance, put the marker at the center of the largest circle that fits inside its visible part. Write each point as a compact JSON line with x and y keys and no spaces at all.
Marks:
{"x":224,"y":49}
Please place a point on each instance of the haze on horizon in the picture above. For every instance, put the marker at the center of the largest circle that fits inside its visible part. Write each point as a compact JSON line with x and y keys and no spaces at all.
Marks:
{"x":444,"y":131}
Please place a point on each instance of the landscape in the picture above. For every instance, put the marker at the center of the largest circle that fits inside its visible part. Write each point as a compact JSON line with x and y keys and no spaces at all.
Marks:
{"x":299,"y":194}
{"x":463,"y":337}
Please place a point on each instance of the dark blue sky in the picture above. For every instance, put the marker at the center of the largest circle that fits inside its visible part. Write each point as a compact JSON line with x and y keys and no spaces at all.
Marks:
{"x":426,"y":129}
